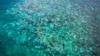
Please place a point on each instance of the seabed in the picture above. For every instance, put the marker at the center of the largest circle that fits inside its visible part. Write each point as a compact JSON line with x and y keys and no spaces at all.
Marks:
{"x":50,"y":28}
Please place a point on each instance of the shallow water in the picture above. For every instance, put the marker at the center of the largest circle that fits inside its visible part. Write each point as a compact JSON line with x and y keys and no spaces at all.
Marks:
{"x":49,"y":28}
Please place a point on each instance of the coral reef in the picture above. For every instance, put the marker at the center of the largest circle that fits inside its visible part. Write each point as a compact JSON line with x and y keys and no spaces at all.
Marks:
{"x":51,"y":28}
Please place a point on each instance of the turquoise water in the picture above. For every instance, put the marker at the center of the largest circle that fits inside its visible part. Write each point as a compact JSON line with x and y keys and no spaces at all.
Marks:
{"x":49,"y":28}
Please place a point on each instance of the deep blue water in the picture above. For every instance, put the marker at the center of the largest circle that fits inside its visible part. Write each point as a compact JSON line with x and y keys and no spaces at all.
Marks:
{"x":5,"y":4}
